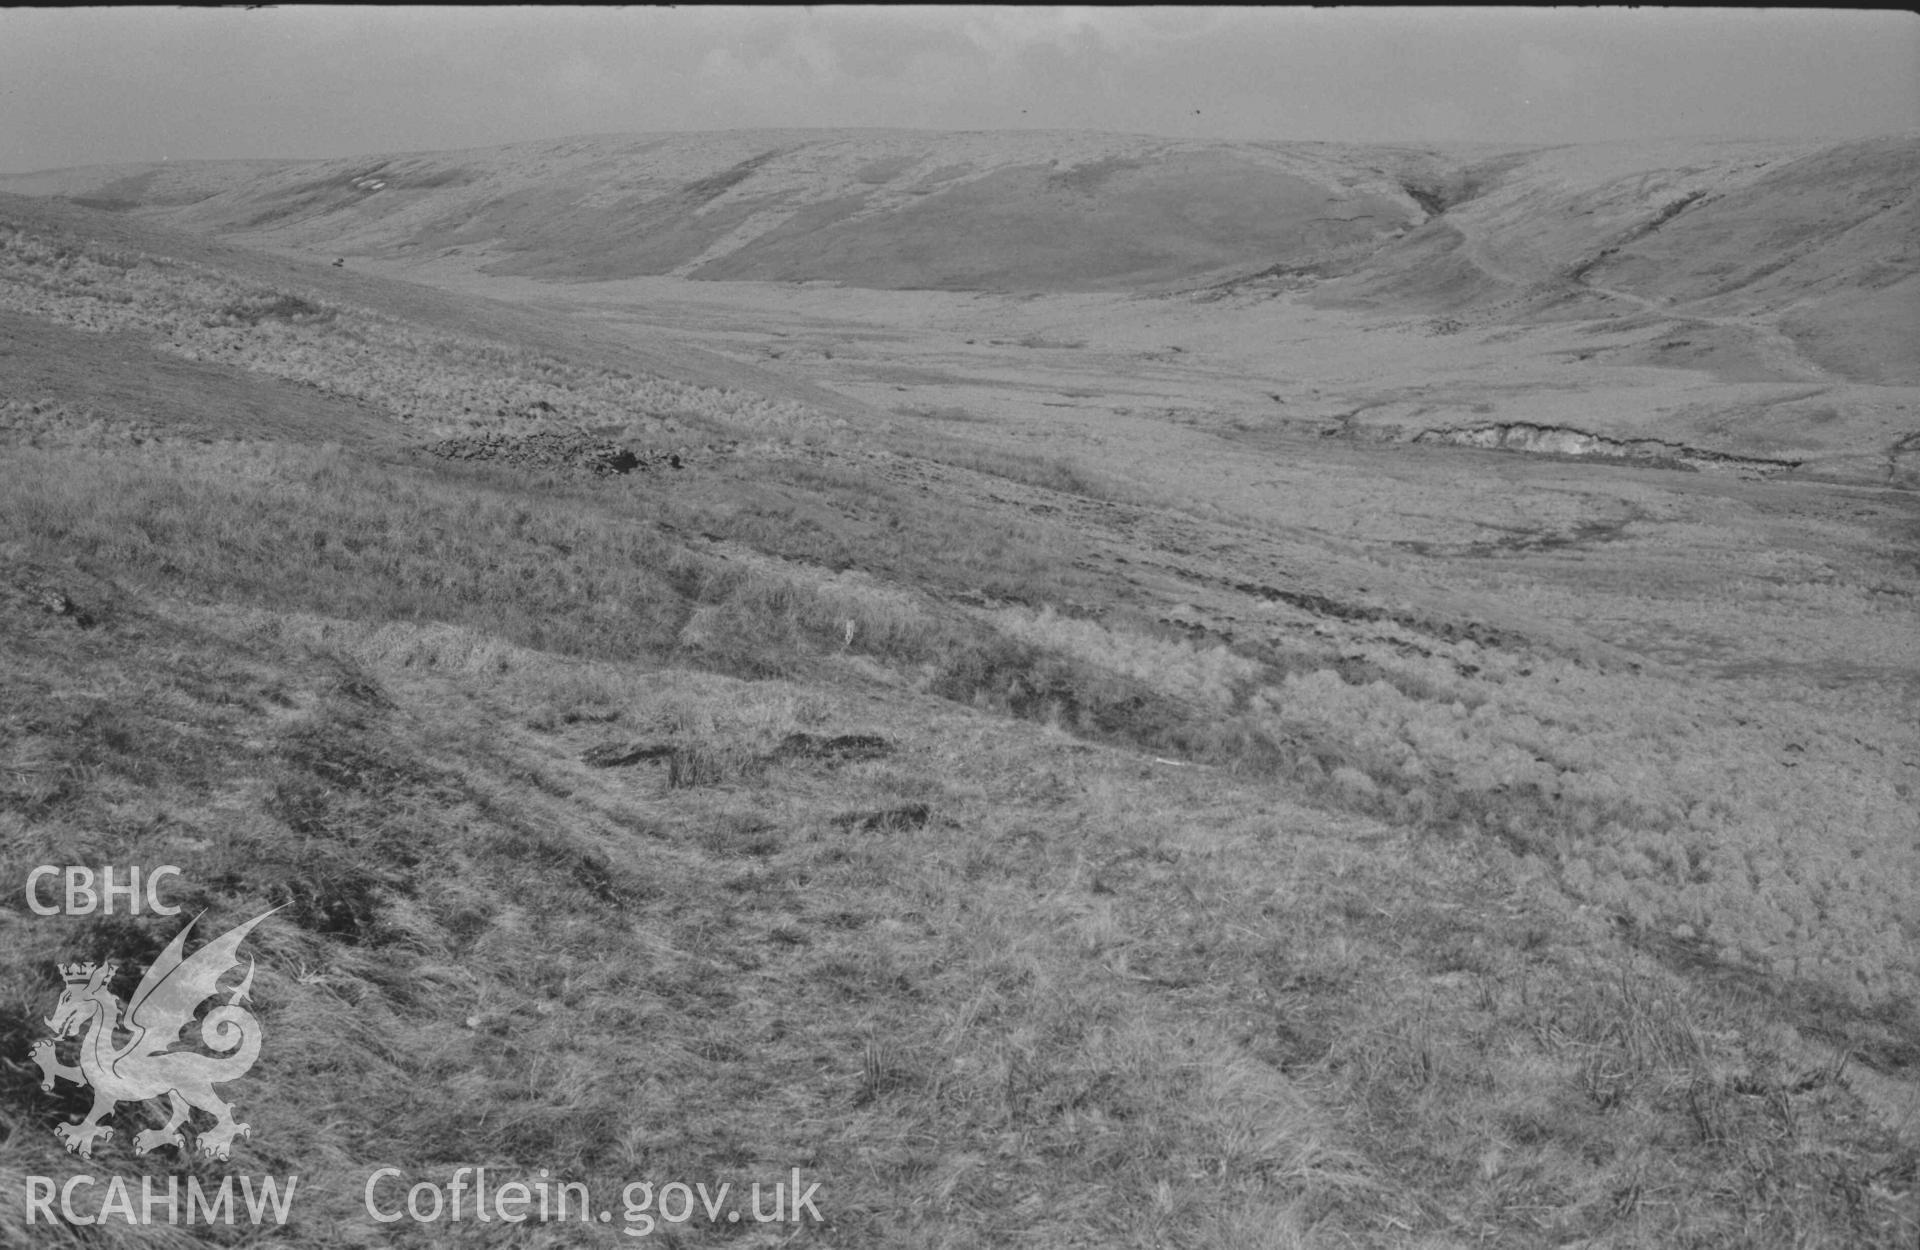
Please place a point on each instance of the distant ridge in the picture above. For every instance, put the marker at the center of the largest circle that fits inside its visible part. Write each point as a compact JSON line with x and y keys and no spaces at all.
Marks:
{"x":1820,"y":235}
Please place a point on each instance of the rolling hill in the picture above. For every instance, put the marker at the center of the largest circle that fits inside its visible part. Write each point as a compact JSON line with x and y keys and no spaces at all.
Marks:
{"x":1818,"y":242}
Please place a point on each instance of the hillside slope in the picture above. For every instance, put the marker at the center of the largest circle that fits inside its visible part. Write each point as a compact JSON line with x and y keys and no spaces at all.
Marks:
{"x":1819,"y":241}
{"x":1445,"y":849}
{"x":1800,"y":246}
{"x":882,"y":208}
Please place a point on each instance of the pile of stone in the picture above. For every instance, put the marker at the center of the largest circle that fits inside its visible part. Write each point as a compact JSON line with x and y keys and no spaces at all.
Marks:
{"x":557,"y":449}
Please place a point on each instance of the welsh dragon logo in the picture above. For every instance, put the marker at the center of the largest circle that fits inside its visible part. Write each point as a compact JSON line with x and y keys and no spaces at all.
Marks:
{"x":144,"y":1067}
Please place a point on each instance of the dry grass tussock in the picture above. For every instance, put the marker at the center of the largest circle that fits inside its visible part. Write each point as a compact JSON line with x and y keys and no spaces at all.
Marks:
{"x":473,"y":913}
{"x":1665,"y":804}
{"x":542,"y":775}
{"x":1075,"y":1003}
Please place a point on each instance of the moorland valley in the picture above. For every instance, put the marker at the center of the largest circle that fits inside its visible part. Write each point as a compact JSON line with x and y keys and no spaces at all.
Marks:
{"x":1077,"y":688}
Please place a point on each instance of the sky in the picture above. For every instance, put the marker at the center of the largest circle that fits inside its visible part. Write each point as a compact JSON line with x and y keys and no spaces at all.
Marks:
{"x":83,"y":86}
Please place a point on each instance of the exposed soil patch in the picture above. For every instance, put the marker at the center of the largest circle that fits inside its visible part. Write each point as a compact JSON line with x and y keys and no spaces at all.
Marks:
{"x":1903,"y":462}
{"x":1515,"y":540}
{"x":620,"y":754}
{"x":714,"y":186}
{"x":889,"y":820}
{"x":1667,"y":213}
{"x":841,"y":749}
{"x":1552,"y":440}
{"x":1333,"y":609}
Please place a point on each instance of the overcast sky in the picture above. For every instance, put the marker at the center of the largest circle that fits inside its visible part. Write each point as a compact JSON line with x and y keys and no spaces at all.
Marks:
{"x":82,"y":86}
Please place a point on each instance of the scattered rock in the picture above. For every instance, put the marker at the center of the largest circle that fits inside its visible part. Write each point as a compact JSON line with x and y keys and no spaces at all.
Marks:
{"x":56,"y":601}
{"x":555,"y":449}
{"x":29,"y":589}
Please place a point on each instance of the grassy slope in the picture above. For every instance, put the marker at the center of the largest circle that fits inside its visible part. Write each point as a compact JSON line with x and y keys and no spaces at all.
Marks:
{"x":1705,"y":228}
{"x":1066,"y":994}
